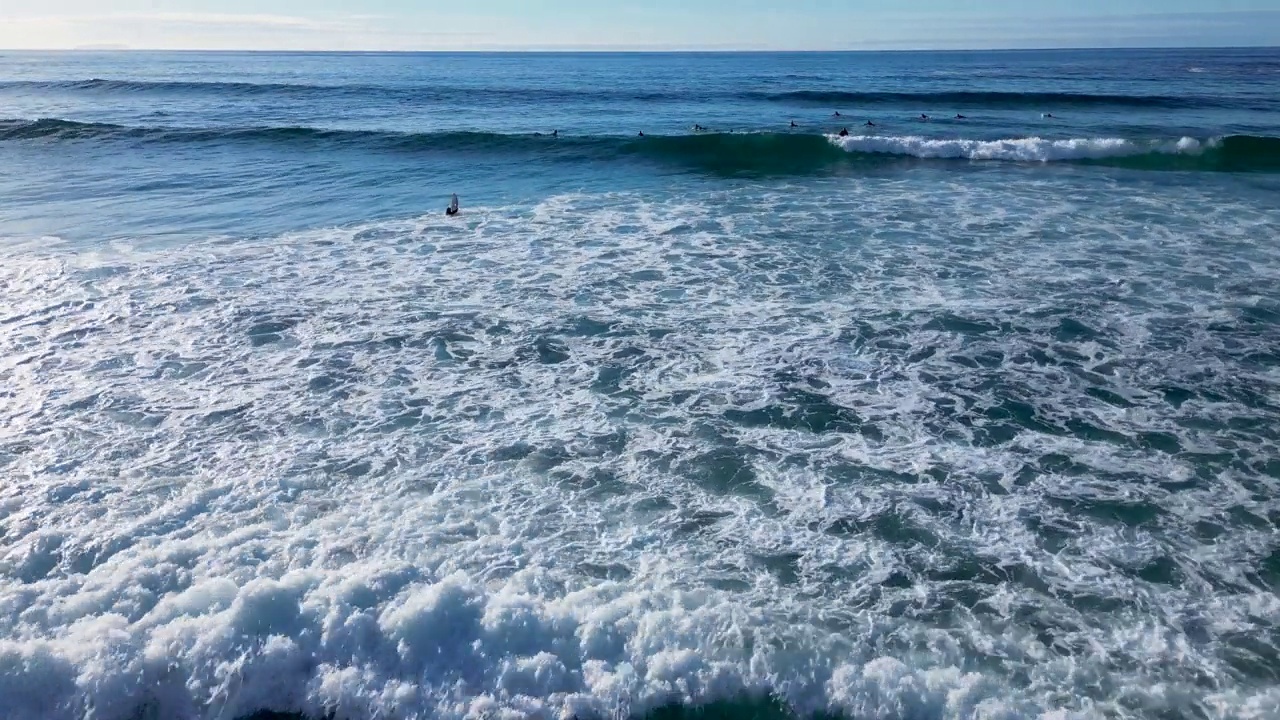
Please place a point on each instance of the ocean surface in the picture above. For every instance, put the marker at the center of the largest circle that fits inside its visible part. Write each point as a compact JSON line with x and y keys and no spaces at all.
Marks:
{"x":957,"y":418}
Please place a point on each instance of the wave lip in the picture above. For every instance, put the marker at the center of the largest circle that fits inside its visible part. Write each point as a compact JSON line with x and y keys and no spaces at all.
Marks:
{"x":1031,"y":149}
{"x":1234,"y":153}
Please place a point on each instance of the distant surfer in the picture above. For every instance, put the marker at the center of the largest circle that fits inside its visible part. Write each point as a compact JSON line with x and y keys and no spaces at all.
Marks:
{"x":869,"y":124}
{"x":924,"y":118}
{"x":555,"y":133}
{"x":837,"y":114}
{"x":961,"y":117}
{"x":698,"y":128}
{"x":793,"y":124}
{"x":1049,"y":116}
{"x":844,"y":132}
{"x":453,"y":206}
{"x":641,"y":133}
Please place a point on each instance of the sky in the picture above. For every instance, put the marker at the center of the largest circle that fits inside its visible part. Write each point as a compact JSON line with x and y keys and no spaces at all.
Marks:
{"x":638,"y":25}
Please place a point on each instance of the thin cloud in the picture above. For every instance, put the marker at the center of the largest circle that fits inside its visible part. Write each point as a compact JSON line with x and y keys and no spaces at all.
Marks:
{"x":260,"y":20}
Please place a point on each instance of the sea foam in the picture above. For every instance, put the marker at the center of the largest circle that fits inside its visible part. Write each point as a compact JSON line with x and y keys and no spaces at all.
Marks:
{"x":1031,"y":149}
{"x":602,"y":454}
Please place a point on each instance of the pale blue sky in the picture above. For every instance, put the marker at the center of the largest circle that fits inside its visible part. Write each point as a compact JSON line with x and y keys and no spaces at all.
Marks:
{"x":644,"y":24}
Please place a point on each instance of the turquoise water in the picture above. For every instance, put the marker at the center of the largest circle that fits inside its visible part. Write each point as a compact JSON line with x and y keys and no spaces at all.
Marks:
{"x":956,"y":418}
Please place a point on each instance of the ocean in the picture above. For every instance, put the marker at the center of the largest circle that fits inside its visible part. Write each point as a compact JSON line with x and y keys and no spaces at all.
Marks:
{"x":957,"y":417}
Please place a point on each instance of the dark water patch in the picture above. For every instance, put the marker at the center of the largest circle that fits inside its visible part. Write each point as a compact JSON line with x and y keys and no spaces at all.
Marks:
{"x":545,"y":459}
{"x":963,"y":326}
{"x":1085,"y":430}
{"x":1161,"y":441}
{"x":515,"y":451}
{"x":325,"y":382}
{"x":1022,"y":414}
{"x":1161,"y":571}
{"x":725,"y":471}
{"x":701,"y":520}
{"x":1108,"y":397}
{"x":407,"y":420}
{"x":891,"y":526}
{"x":613,"y":571}
{"x":967,"y":569}
{"x":610,"y":377}
{"x":1253,"y":656}
{"x":218,"y":416}
{"x":1127,"y":513}
{"x":589,"y":327}
{"x":1260,"y":315}
{"x":1269,"y":569}
{"x":544,"y":350}
{"x":1072,"y":330}
{"x":594,"y":484}
{"x":785,"y":567}
{"x":805,"y":411}
{"x":855,"y":475}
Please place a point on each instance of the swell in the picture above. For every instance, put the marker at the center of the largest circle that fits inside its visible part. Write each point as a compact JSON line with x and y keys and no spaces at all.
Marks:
{"x":422,"y":93}
{"x":716,"y":153}
{"x":825,"y":97}
{"x":1001,"y":99}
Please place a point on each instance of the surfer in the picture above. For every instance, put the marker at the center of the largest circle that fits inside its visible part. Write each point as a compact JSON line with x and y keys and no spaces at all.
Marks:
{"x":924,"y":118}
{"x":844,"y":132}
{"x":641,"y":133}
{"x":869,"y":124}
{"x":837,"y":114}
{"x":555,"y":133}
{"x":453,"y":206}
{"x":1049,"y":116}
{"x":698,"y":128}
{"x":961,"y":117}
{"x":793,"y":124}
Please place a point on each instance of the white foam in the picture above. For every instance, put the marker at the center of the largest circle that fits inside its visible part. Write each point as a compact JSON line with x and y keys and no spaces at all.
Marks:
{"x":1031,"y":149}
{"x":515,"y":466}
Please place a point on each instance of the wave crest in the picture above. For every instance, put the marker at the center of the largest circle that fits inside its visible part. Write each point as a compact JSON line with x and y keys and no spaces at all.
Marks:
{"x":716,"y":153}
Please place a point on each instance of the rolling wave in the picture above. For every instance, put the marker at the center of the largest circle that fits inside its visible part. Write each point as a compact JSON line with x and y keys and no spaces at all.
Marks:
{"x":824,"y":97}
{"x":716,"y":153}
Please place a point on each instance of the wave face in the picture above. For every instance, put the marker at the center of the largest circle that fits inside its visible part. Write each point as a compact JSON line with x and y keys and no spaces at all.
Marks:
{"x":716,"y":153}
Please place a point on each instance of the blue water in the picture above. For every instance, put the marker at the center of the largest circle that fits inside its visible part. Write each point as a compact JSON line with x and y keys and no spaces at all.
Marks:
{"x":944,"y":418}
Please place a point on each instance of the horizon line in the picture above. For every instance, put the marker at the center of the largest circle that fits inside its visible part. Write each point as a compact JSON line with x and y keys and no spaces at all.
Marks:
{"x":656,"y":50}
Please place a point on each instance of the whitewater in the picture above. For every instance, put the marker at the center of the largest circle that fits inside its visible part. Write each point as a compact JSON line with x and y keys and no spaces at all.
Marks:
{"x":948,"y":421}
